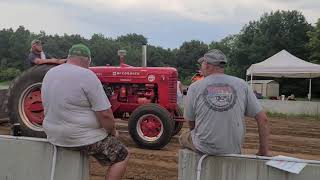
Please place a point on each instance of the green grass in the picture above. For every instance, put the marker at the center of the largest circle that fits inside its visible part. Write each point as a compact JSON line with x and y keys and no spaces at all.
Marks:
{"x":306,"y":99}
{"x":301,"y":99}
{"x":295,"y":116}
{"x":4,"y":84}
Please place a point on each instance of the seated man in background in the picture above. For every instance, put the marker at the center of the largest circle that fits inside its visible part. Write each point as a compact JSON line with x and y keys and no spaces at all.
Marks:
{"x":291,"y":98}
{"x":78,"y":113}
{"x":215,"y":108}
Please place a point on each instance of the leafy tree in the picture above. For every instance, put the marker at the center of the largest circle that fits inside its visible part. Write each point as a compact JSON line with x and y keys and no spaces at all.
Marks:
{"x":8,"y":73}
{"x":58,"y":46}
{"x":19,"y":47}
{"x":157,"y":56}
{"x":133,"y":39}
{"x":314,"y":43}
{"x":5,"y":35}
{"x":103,"y":50}
{"x":226,"y":45}
{"x":187,"y":57}
{"x":274,"y":32}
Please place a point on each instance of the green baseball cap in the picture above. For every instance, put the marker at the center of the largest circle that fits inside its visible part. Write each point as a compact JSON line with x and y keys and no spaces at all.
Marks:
{"x":80,"y":50}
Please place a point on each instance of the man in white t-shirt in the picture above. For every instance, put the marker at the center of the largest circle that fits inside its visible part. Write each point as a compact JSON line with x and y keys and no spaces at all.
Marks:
{"x":78,"y":113}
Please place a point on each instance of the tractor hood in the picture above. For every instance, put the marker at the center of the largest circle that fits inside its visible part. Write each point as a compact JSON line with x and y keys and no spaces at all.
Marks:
{"x":131,"y":71}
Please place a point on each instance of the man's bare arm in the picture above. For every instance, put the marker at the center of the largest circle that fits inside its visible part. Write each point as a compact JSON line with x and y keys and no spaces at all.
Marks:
{"x":49,"y":61}
{"x":106,"y":120}
{"x":264,"y":132}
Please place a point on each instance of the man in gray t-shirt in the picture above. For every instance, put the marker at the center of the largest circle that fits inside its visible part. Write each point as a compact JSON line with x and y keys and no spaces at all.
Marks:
{"x":215,"y":108}
{"x":78,"y":113}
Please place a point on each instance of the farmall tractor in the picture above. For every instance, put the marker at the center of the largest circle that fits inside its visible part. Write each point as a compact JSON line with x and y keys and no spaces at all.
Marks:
{"x":144,"y":96}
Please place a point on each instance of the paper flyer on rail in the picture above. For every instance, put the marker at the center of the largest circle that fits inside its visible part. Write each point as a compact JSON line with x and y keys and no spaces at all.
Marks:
{"x":287,"y":164}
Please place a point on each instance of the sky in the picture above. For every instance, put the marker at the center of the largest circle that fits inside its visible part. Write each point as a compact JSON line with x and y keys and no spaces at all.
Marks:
{"x":165,"y":23}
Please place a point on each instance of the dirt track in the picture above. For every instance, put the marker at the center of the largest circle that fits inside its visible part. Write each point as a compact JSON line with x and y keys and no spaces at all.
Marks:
{"x":293,"y":137}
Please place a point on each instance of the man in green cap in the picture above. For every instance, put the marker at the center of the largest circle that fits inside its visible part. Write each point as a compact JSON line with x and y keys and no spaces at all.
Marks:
{"x":38,"y":56}
{"x":78,"y":113}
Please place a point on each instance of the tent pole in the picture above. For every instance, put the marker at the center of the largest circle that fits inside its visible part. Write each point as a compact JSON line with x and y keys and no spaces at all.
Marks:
{"x":309,"y":95}
{"x":251,"y":81}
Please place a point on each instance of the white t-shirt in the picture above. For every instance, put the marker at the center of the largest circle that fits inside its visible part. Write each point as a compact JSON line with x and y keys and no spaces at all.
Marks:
{"x":71,"y":95}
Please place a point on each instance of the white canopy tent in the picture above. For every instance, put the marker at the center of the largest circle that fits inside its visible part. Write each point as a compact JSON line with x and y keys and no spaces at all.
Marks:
{"x":284,"y":64}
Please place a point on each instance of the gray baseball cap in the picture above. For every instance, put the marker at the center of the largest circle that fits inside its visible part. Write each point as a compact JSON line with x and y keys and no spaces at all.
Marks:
{"x":36,"y":41}
{"x":214,"y":56}
{"x":201,"y":59}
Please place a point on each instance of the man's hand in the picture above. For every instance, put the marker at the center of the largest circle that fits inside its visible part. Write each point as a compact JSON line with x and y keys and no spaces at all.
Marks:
{"x":61,"y":61}
{"x":263,"y":153}
{"x":115,"y":133}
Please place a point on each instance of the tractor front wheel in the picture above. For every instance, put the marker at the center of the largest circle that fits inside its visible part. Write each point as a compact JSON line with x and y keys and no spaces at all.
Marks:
{"x":151,"y":126}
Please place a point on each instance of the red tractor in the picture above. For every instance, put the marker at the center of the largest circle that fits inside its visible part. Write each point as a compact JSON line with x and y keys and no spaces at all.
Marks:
{"x":144,"y":96}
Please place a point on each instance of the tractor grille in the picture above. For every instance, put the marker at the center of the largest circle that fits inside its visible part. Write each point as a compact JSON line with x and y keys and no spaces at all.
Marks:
{"x":173,"y":88}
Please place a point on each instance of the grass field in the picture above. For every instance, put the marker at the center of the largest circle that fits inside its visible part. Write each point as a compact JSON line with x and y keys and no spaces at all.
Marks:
{"x":306,"y":99}
{"x":289,"y":116}
{"x":4,"y":85}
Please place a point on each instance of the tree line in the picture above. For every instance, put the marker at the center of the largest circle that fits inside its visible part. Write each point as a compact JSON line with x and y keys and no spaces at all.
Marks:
{"x":256,"y":41}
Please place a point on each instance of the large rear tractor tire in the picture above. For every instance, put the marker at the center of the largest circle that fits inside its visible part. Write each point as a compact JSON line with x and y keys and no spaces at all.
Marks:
{"x":151,"y":126}
{"x":24,"y":102}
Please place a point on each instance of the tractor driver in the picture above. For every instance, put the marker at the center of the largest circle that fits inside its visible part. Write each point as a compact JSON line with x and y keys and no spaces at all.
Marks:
{"x":78,"y":113}
{"x":37,"y":56}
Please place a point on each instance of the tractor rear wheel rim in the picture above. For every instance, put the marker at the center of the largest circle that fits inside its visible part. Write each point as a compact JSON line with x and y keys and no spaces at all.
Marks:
{"x":30,"y":107}
{"x":150,"y":127}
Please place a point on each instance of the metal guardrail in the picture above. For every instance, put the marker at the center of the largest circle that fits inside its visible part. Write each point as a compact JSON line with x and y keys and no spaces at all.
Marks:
{"x":36,"y":159}
{"x":239,"y":167}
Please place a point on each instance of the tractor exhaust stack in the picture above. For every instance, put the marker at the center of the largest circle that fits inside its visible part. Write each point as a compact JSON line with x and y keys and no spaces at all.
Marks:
{"x":144,"y":55}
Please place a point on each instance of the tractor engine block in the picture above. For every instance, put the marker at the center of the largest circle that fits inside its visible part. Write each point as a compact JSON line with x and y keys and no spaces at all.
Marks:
{"x":132,"y":93}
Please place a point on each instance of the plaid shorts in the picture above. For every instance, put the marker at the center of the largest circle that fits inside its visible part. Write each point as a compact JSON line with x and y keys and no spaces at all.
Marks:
{"x":107,"y":151}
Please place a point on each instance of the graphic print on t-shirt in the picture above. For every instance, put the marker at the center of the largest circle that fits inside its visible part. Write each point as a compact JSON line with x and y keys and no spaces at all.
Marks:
{"x":220,"y":97}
